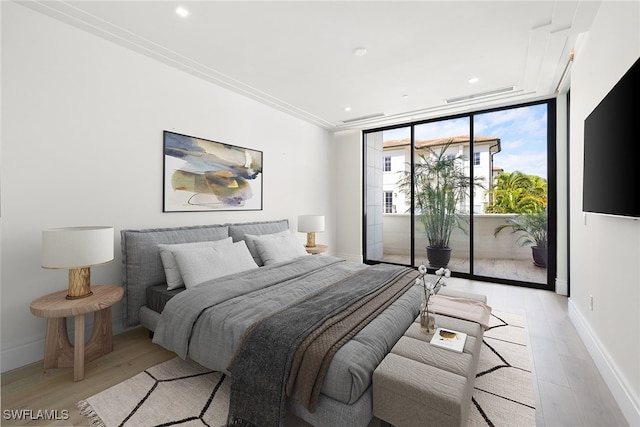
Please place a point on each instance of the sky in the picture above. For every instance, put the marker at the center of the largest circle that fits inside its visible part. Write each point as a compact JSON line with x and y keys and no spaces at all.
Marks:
{"x":522,"y":132}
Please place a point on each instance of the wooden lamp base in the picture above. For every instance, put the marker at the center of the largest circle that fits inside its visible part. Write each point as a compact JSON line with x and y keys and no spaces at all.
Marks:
{"x":311,"y":240}
{"x":79,"y":283}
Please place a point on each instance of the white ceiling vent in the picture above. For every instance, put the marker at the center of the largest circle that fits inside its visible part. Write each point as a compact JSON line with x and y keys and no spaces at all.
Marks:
{"x":370,"y":116}
{"x":481,"y":94}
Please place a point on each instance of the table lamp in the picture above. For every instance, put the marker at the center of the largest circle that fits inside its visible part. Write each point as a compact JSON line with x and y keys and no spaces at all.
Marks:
{"x":77,"y":248}
{"x":311,"y":224}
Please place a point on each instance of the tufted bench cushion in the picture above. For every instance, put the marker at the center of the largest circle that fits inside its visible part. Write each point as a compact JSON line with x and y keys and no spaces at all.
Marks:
{"x":421,"y":385}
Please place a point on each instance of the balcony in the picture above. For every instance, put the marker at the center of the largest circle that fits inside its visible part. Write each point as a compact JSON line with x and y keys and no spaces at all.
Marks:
{"x":499,"y":257}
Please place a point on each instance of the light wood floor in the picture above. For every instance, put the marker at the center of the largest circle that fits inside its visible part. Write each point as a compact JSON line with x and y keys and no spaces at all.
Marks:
{"x":569,"y":390}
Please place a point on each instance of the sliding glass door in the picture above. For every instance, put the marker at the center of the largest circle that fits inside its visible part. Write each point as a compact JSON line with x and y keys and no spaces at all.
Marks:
{"x":510,"y":237}
{"x":474,"y":189}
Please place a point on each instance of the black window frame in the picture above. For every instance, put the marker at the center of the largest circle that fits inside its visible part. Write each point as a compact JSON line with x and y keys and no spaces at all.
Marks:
{"x":551,"y":192}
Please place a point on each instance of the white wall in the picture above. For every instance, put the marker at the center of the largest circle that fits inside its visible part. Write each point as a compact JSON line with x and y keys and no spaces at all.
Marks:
{"x":605,"y":251}
{"x":82,"y":144}
{"x":346,"y":173}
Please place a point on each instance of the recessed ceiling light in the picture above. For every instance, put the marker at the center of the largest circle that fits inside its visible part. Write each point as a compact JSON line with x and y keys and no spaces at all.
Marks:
{"x":474,"y":80}
{"x":347,"y":108}
{"x":405,"y":96}
{"x":182,"y":11}
{"x":360,"y":51}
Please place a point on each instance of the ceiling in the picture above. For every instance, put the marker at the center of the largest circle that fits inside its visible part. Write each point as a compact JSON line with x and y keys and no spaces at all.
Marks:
{"x":298,"y":56}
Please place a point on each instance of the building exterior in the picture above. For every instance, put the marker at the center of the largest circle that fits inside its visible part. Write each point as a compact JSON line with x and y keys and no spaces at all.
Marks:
{"x":397,"y":159}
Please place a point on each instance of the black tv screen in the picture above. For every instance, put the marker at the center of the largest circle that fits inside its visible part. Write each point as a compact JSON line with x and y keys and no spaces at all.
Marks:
{"x":611,"y":183}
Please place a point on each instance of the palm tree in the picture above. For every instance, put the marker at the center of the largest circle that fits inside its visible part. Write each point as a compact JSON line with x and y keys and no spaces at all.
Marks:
{"x":516,"y":192}
{"x":532,"y":227}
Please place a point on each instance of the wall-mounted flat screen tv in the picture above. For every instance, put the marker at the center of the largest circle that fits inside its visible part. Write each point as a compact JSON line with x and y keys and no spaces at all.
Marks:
{"x":611,"y":183}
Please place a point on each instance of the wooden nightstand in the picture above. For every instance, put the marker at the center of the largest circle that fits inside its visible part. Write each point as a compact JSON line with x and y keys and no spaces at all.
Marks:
{"x":58,"y":351}
{"x":317,"y":249}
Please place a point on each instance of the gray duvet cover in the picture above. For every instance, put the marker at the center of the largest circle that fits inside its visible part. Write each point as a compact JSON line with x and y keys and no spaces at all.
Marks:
{"x":207,"y":323}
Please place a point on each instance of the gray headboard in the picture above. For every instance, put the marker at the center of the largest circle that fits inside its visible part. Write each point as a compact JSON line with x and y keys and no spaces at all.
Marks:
{"x":141,"y":263}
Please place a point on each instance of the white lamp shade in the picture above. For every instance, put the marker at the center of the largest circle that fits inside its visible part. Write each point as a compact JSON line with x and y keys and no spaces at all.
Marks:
{"x":75,"y":247}
{"x":310,"y":223}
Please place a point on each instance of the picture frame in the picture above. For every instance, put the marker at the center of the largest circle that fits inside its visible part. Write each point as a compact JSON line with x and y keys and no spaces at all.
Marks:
{"x":205,"y":175}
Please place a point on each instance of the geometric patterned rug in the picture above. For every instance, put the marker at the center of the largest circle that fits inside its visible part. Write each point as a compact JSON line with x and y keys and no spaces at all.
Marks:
{"x":503,"y":393}
{"x":179,"y":392}
{"x":175,"y":392}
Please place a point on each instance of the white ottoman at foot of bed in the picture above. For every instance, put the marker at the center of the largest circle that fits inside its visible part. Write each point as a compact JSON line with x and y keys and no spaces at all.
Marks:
{"x":420,"y":385}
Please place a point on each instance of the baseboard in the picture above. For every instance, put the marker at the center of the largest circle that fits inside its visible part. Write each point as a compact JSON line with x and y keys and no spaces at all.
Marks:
{"x":623,"y":394}
{"x":26,"y":354}
{"x":562,"y":287}
{"x":17,"y":357}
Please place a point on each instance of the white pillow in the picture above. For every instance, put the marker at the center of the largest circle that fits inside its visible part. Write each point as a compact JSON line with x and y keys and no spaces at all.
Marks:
{"x":197,"y":265}
{"x":280,"y":248}
{"x":251,"y":243}
{"x":174,"y":279}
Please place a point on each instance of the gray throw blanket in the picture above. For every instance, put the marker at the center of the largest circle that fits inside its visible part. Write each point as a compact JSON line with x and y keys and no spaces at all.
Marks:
{"x":262,"y":365}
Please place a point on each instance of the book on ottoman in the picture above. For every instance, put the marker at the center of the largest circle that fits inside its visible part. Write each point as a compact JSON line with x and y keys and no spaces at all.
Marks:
{"x":451,"y":340}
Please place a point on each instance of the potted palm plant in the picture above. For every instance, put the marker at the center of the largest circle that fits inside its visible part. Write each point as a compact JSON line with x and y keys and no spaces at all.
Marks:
{"x":439,"y":185}
{"x":533,"y":231}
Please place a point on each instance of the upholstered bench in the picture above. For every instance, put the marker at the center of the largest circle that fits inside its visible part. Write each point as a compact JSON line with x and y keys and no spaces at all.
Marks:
{"x":421,"y":385}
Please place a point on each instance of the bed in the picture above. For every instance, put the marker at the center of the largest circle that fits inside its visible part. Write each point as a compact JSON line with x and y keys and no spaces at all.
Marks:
{"x":210,"y":327}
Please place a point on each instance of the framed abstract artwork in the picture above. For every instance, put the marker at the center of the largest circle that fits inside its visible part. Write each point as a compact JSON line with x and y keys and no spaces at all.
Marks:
{"x":203,"y":175}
